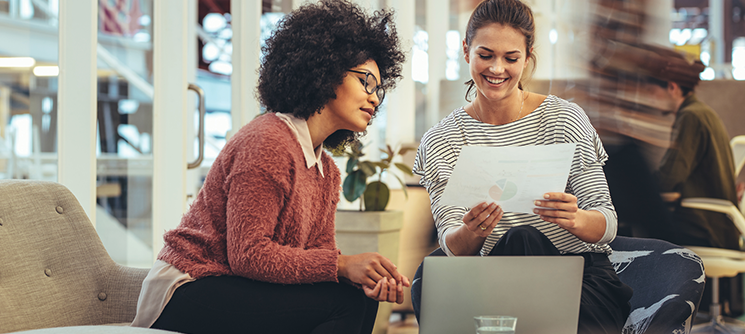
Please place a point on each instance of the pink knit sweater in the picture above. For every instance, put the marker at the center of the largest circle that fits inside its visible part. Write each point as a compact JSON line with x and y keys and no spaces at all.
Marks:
{"x":261,"y":214}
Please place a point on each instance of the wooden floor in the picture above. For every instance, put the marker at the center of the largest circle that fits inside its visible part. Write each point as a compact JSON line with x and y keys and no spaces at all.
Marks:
{"x":406,"y":326}
{"x":410,"y":326}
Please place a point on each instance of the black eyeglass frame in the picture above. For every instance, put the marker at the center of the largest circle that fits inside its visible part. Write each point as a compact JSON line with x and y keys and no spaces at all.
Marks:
{"x":379,"y":90}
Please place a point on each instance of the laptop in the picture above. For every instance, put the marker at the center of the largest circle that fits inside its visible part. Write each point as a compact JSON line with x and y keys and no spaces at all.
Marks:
{"x":543,"y":292}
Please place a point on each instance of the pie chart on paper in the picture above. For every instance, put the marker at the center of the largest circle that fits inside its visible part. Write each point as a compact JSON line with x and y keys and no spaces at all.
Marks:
{"x":503,"y":190}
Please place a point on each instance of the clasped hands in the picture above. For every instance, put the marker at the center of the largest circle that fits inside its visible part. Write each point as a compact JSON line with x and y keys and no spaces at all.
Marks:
{"x":555,"y":207}
{"x":378,"y":276}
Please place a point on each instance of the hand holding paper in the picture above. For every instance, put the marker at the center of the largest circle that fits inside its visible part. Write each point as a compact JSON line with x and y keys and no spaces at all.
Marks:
{"x":513,"y":177}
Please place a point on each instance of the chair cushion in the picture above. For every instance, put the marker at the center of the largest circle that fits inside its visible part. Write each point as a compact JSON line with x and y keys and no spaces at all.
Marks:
{"x":96,"y":330}
{"x":55,"y":270}
{"x":668,"y":282}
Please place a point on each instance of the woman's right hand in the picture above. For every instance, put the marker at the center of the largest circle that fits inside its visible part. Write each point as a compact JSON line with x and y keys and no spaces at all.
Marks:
{"x":478,"y":223}
{"x":482,"y":218}
{"x":368,"y":268}
{"x":387,"y":290}
{"x":378,"y":276}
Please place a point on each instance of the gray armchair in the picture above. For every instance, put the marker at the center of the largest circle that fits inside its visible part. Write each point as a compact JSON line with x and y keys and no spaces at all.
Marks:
{"x":55,"y":272}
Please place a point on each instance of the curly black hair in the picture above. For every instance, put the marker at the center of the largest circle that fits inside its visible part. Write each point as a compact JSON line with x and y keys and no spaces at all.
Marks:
{"x":307,"y":57}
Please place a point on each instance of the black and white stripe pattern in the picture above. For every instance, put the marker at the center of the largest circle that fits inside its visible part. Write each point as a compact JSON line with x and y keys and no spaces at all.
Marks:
{"x":555,"y":121}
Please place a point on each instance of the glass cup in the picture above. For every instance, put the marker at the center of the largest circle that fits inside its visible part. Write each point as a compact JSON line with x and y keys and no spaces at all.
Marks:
{"x":495,"y":324}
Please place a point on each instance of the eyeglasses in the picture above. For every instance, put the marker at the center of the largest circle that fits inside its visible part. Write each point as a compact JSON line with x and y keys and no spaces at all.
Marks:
{"x":371,"y":85}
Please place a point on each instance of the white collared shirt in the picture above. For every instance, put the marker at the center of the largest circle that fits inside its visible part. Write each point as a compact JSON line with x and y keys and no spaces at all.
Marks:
{"x":163,"y":278}
{"x":299,"y":127}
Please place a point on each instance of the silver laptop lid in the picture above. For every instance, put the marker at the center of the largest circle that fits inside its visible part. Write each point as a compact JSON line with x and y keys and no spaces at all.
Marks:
{"x":543,"y":292}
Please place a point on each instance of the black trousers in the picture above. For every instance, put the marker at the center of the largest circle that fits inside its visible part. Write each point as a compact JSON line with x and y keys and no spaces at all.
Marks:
{"x":604,"y":304}
{"x":230,"y":304}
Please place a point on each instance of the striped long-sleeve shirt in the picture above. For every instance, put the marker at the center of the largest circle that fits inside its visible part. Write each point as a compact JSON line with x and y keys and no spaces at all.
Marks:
{"x":555,"y":121}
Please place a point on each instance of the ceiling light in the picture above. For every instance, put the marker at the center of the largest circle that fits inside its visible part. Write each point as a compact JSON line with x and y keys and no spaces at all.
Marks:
{"x":17,"y":61}
{"x":46,"y":71}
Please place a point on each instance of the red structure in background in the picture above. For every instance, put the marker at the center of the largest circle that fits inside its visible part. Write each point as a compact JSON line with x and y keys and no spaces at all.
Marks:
{"x":206,"y":7}
{"x":222,"y":7}
{"x":734,"y":20}
{"x":119,"y":17}
{"x":122,"y":17}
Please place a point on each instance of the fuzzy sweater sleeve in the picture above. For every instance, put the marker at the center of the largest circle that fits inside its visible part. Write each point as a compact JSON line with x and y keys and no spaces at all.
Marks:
{"x":262,"y":243}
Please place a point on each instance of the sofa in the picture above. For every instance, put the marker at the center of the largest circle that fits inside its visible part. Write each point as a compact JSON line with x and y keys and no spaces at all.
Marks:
{"x":55,"y":274}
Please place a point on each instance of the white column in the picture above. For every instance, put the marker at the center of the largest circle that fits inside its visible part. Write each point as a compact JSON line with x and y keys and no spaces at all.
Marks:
{"x":246,"y":17}
{"x":658,"y":23}
{"x":287,"y":6}
{"x":368,"y":5}
{"x":169,"y":116}
{"x":401,"y":107}
{"x":557,"y":57}
{"x":76,"y":109}
{"x":465,"y":8}
{"x":374,"y":139}
{"x":4,"y":111}
{"x":192,"y":62}
{"x":560,"y":57}
{"x":544,"y":15}
{"x":297,"y":3}
{"x":716,"y":33}
{"x":438,"y":19}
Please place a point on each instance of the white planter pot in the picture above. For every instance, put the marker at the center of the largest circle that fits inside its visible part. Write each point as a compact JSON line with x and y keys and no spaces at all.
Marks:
{"x":371,"y":231}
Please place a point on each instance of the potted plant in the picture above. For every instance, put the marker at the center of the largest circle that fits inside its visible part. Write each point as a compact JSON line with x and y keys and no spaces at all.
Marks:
{"x":372,"y":228}
{"x":375,"y":194}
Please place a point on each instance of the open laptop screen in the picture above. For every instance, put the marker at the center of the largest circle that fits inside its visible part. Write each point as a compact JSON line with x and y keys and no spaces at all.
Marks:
{"x":543,"y":292}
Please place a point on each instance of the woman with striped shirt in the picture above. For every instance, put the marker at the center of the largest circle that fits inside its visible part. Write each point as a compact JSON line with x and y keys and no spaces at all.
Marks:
{"x":498,"y":47}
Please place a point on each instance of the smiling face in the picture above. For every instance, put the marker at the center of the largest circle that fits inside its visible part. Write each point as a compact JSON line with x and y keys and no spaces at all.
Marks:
{"x":497,"y":58}
{"x":353,"y":107}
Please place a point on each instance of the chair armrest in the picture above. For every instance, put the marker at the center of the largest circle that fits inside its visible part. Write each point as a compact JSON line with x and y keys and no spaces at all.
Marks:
{"x":712,"y":204}
{"x":670,"y":197}
{"x":717,"y":205}
{"x":717,"y":252}
{"x":720,"y":262}
{"x":722,"y":267}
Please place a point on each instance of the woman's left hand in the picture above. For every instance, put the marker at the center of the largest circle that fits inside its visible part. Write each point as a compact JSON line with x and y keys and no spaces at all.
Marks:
{"x":561,"y":209}
{"x":558,"y":208}
{"x":386,"y":290}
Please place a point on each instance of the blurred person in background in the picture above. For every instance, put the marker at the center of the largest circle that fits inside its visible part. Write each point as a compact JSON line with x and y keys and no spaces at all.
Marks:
{"x":699,"y":163}
{"x":634,"y":130}
{"x":636,"y":95}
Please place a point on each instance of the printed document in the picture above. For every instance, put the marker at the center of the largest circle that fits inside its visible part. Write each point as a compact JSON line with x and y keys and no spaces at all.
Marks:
{"x":513,"y":177}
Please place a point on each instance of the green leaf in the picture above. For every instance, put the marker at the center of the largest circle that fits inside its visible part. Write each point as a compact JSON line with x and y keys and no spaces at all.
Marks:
{"x":403,"y":186}
{"x":356,"y":148}
{"x":404,"y":150}
{"x":404,"y":168}
{"x":389,"y":154}
{"x":376,"y":197}
{"x":367,"y":167}
{"x":380,"y":164}
{"x":351,"y":163}
{"x":354,"y":185}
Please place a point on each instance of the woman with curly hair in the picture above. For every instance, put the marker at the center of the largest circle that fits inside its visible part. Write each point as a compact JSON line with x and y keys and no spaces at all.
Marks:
{"x":256,"y":251}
